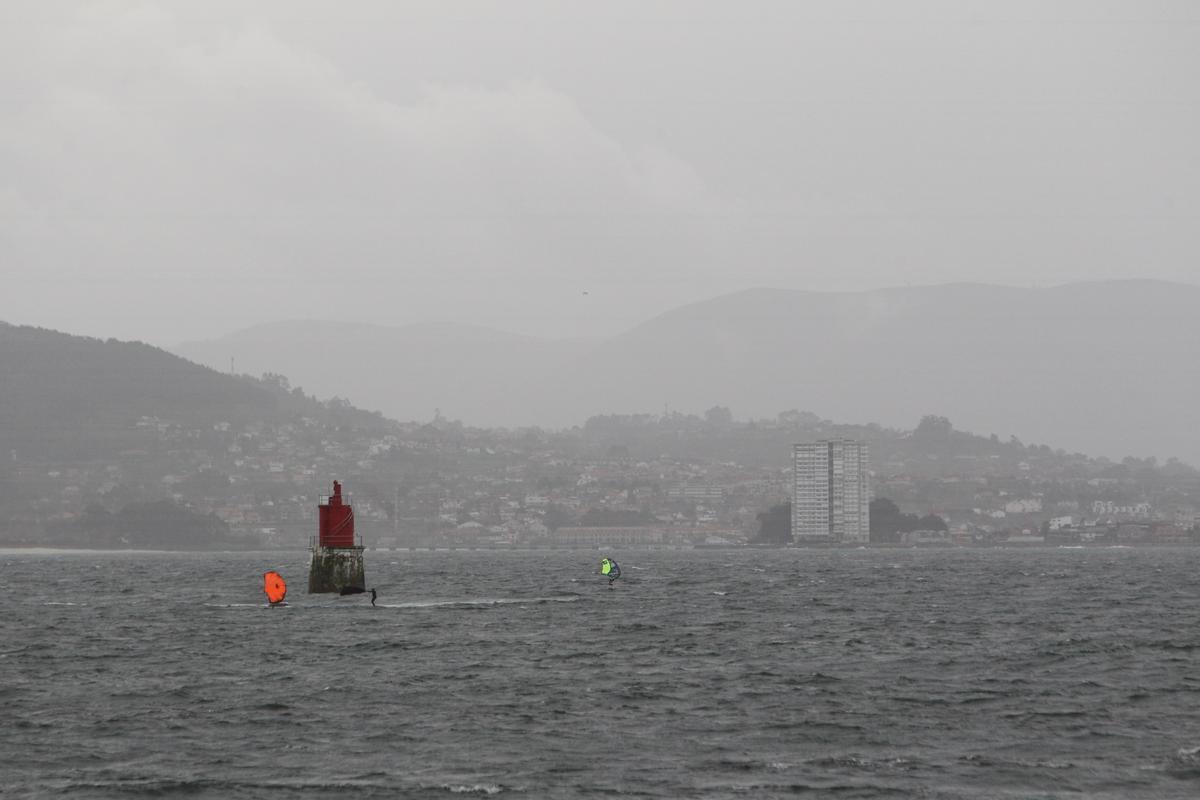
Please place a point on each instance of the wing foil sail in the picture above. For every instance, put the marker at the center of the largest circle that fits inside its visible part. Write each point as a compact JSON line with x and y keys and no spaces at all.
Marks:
{"x":274,"y":586}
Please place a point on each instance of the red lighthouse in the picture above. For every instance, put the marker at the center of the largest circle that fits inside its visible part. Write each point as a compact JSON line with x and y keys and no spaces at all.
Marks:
{"x":335,"y":520}
{"x":337,"y":558}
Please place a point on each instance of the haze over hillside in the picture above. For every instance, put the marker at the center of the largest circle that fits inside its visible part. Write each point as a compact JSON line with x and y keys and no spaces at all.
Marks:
{"x":481,"y":375}
{"x":120,"y":444}
{"x":1106,"y":367}
{"x":75,"y":398}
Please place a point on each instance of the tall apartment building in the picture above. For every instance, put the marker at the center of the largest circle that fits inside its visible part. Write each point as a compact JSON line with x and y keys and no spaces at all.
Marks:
{"x":831,"y":494}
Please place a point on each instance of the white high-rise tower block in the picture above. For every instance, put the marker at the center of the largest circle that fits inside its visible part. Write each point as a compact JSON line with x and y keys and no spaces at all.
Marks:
{"x":831,"y":493}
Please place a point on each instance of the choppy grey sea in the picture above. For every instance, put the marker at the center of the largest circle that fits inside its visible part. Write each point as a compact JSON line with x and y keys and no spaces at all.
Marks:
{"x":834,"y":673}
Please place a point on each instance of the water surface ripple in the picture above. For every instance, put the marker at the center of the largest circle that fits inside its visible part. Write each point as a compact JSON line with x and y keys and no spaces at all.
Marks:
{"x":843,"y":673}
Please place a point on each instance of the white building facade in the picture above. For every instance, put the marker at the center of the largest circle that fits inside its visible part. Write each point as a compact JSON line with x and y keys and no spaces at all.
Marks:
{"x":831,"y":494}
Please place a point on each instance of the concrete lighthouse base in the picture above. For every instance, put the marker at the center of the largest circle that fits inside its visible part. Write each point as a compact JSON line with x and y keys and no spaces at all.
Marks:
{"x":334,"y":568}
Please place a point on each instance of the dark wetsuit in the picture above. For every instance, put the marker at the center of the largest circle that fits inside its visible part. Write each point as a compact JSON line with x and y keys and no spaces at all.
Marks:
{"x":372,"y":597}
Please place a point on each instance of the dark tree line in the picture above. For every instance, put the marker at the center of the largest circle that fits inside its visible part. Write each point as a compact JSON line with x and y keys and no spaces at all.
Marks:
{"x":775,"y":525}
{"x":162,"y":524}
{"x":888,"y":522}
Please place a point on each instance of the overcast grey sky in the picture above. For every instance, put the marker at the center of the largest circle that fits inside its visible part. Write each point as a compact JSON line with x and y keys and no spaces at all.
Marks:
{"x":178,"y":170}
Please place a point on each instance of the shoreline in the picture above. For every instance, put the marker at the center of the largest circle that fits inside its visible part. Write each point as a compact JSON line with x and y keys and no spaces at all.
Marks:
{"x":45,"y":550}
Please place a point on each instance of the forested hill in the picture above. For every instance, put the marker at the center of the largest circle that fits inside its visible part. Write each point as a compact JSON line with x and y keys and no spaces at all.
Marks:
{"x":68,"y":397}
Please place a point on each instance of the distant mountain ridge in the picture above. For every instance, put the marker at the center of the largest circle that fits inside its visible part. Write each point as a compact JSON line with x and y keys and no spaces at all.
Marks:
{"x":1102,"y":367}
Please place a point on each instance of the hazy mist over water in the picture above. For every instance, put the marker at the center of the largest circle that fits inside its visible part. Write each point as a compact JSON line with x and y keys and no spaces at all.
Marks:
{"x":519,"y":271}
{"x":843,"y":673}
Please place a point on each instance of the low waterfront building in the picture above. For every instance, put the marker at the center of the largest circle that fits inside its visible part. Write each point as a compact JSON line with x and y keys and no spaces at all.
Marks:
{"x":603,"y":536}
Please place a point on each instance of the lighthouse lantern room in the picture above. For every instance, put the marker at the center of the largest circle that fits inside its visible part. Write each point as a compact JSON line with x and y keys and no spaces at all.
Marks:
{"x":335,"y":520}
{"x":337,"y":556}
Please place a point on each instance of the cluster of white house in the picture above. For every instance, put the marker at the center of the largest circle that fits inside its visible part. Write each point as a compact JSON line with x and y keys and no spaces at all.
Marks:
{"x":1111,"y":509}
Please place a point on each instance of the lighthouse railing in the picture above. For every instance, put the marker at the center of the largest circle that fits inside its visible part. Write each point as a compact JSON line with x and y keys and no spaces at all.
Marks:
{"x":358,"y":541}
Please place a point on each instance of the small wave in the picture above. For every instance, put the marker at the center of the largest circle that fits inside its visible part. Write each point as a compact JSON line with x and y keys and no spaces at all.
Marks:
{"x":980,"y":760}
{"x":720,"y":594}
{"x":857,"y":762}
{"x":1185,"y":763}
{"x":475,"y":788}
{"x":857,"y":789}
{"x":481,"y":602}
{"x":173,"y":787}
{"x":817,"y":678}
{"x":1172,"y":644}
{"x":272,"y":707}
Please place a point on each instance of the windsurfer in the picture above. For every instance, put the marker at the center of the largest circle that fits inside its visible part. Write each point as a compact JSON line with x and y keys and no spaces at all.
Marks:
{"x":610,"y":568}
{"x":372,"y":597}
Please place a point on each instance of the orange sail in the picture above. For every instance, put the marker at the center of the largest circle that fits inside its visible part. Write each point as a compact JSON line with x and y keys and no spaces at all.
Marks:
{"x":274,"y":586}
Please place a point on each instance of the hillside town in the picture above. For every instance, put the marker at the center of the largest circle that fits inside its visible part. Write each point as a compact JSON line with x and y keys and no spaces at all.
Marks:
{"x":636,"y":480}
